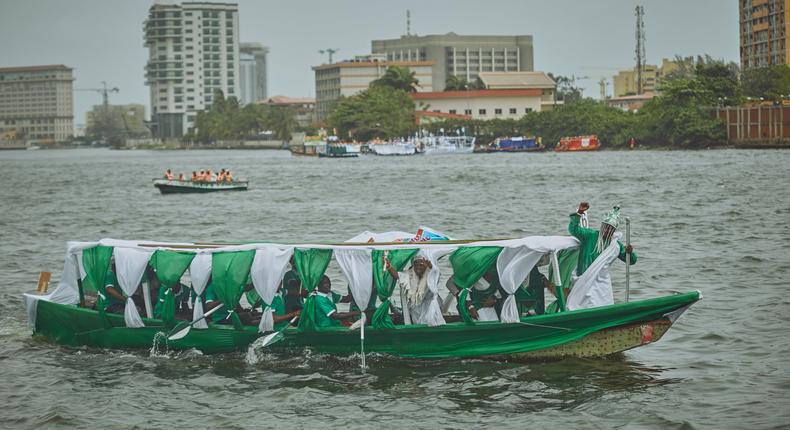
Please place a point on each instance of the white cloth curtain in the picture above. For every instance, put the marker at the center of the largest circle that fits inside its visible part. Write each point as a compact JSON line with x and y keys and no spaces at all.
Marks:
{"x":130,"y":264}
{"x":594,"y":287}
{"x":267,"y":271}
{"x":199,"y":272}
{"x":513,"y":266}
{"x":67,"y":291}
{"x":357,"y":266}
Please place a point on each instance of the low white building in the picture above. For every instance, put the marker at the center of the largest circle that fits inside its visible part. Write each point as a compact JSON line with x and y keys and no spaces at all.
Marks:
{"x":506,"y":95}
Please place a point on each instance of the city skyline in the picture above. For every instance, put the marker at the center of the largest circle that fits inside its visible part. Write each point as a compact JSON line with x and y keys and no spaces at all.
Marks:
{"x":78,"y":35}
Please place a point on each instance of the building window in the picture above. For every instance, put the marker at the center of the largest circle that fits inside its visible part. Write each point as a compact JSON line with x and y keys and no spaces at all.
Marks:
{"x":513,"y":111}
{"x":497,"y":111}
{"x":481,"y":111}
{"x":452,"y":111}
{"x":527,"y":110}
{"x":467,"y":111}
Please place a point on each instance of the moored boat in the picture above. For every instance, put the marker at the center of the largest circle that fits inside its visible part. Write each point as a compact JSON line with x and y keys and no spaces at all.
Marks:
{"x":392,"y":148}
{"x":435,"y":145}
{"x":66,"y":317}
{"x":578,"y":143}
{"x":515,"y":144}
{"x":339,"y":150}
{"x":174,"y":186}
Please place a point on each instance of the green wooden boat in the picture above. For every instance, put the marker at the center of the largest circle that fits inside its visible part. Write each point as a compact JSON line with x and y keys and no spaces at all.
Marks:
{"x":166,"y":186}
{"x":590,"y":332}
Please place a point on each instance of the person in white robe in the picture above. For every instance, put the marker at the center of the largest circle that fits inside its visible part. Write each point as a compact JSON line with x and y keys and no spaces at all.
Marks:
{"x":423,"y":303}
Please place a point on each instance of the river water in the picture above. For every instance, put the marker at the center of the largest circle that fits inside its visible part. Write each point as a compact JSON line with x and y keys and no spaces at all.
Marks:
{"x":716,"y":221}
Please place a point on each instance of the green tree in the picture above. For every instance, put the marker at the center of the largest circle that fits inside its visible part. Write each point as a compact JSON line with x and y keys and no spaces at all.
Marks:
{"x":399,"y":78}
{"x":282,"y":121}
{"x":456,"y":83}
{"x":771,"y":83}
{"x":380,"y":111}
{"x":566,"y":91}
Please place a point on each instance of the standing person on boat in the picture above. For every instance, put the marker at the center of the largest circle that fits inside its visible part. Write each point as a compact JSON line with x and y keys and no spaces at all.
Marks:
{"x":423,"y":303}
{"x":326,"y":314}
{"x":593,"y":242}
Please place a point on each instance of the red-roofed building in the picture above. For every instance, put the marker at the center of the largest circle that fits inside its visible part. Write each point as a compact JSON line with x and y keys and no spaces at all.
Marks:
{"x":304,"y":107}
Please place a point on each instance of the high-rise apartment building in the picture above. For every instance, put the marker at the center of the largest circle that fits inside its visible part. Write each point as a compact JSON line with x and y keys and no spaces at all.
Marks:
{"x":462,"y":56}
{"x":37,"y":103}
{"x":652,"y":76}
{"x":253,"y":72}
{"x":763,"y":32}
{"x":193,"y":51}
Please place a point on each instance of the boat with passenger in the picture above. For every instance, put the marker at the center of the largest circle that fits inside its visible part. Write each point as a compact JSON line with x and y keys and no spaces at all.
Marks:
{"x":435,"y":145}
{"x":175,"y":186}
{"x":222,"y":297}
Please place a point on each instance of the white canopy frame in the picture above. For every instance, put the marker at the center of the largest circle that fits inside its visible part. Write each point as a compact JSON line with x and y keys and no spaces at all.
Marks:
{"x":267,"y":271}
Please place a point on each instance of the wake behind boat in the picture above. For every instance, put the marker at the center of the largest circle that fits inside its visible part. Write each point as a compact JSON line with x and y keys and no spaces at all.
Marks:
{"x":87,"y":308}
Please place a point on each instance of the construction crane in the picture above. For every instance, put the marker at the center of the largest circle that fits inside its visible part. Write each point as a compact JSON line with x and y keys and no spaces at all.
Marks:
{"x":330,"y":52}
{"x":104,"y":91}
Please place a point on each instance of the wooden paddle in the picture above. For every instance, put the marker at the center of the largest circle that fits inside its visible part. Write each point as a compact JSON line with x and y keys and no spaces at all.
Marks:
{"x":43,"y":282}
{"x":277,"y":336}
{"x":185,"y":331}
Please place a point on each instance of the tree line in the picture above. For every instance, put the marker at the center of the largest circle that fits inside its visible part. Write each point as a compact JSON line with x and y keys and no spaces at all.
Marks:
{"x":680,"y":116}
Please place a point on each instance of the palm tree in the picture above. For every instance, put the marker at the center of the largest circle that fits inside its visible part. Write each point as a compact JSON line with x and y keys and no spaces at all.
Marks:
{"x":282,"y":120}
{"x":400,"y":78}
{"x":456,"y":83}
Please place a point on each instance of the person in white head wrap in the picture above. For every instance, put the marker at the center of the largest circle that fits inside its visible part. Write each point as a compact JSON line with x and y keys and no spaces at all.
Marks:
{"x":423,"y":303}
{"x":594,"y":241}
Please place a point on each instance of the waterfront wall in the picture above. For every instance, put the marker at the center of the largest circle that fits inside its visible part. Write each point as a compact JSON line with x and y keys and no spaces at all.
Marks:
{"x":756,"y":123}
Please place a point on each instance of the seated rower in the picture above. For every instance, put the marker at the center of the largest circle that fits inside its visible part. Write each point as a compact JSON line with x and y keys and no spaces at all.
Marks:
{"x":326,"y":314}
{"x":281,"y":318}
{"x":195,"y":177}
{"x":114,"y":299}
{"x":169,"y":175}
{"x":181,"y":177}
{"x":487,"y":310}
{"x":530,"y":295}
{"x":202,"y":176}
{"x":221,"y":176}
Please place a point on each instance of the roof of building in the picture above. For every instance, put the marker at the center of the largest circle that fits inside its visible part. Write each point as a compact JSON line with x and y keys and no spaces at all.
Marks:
{"x":528,"y":92}
{"x":633,"y":98}
{"x":516,"y":80}
{"x":285,"y":100}
{"x":34,"y":68}
{"x":373,"y":64}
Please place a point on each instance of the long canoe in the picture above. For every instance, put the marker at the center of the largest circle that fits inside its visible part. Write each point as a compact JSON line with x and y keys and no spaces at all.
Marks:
{"x":593,"y":332}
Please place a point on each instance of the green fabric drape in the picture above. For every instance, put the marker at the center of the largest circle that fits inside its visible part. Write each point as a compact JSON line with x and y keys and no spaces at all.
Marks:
{"x":385,"y":284}
{"x":311,"y":265}
{"x":229,"y":274}
{"x":96,"y":262}
{"x":469,"y":265}
{"x":169,"y":267}
{"x":567,"y":258}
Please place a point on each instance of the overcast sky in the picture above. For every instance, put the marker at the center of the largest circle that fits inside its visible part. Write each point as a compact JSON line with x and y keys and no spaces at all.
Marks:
{"x":103,"y":39}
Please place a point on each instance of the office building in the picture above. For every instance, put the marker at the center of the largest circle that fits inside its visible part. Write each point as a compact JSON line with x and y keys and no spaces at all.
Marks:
{"x":193,"y":51}
{"x":37,"y":103}
{"x":625,"y":82}
{"x":347,"y":78}
{"x":763,"y":32}
{"x":253,"y":72}
{"x":462,"y":56}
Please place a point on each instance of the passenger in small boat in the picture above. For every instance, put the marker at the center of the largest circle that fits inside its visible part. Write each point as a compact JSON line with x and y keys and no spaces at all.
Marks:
{"x":202,"y":176}
{"x":593,"y":242}
{"x":228,"y":176}
{"x":487,"y":310}
{"x":169,"y":175}
{"x":181,"y":177}
{"x":281,"y":318}
{"x":194,"y":176}
{"x":221,"y":176}
{"x":530,"y":297}
{"x":422,"y":302}
{"x":210,"y":177}
{"x":326,"y":314}
{"x":114,"y":298}
{"x":293,"y":293}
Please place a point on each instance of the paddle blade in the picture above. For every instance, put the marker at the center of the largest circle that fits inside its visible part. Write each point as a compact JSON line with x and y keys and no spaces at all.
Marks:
{"x":272,"y":339}
{"x":180,"y":334}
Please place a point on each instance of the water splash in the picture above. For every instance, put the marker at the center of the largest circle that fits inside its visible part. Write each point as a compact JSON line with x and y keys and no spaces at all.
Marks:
{"x":159,"y":345}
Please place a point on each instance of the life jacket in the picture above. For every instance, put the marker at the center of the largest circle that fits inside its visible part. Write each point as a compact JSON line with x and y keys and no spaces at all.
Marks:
{"x":169,"y":176}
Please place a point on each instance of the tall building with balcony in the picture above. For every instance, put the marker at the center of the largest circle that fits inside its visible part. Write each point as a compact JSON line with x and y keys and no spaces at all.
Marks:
{"x":462,"y":56}
{"x":763,"y":32}
{"x":193,"y":51}
{"x":253,"y":71}
{"x":37,"y":103}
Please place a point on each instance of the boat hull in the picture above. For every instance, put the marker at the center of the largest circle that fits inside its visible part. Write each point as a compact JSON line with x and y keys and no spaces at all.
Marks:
{"x":583,"y":333}
{"x":174,"y":187}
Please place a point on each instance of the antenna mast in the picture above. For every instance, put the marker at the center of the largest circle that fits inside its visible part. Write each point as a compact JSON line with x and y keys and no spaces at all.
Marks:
{"x":408,"y":22}
{"x":640,"y":47}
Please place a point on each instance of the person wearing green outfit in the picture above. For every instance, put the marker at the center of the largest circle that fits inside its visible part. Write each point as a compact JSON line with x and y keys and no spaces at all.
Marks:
{"x":326,"y":314}
{"x":281,"y":318}
{"x":114,"y":299}
{"x":293,"y":293}
{"x":593,"y":242}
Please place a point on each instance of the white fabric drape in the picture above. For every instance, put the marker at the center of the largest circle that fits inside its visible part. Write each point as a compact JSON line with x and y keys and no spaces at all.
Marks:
{"x":130,"y":264}
{"x":594,"y":287}
{"x":267,"y":271}
{"x":513,"y":266}
{"x":357,"y":266}
{"x":199,"y":272}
